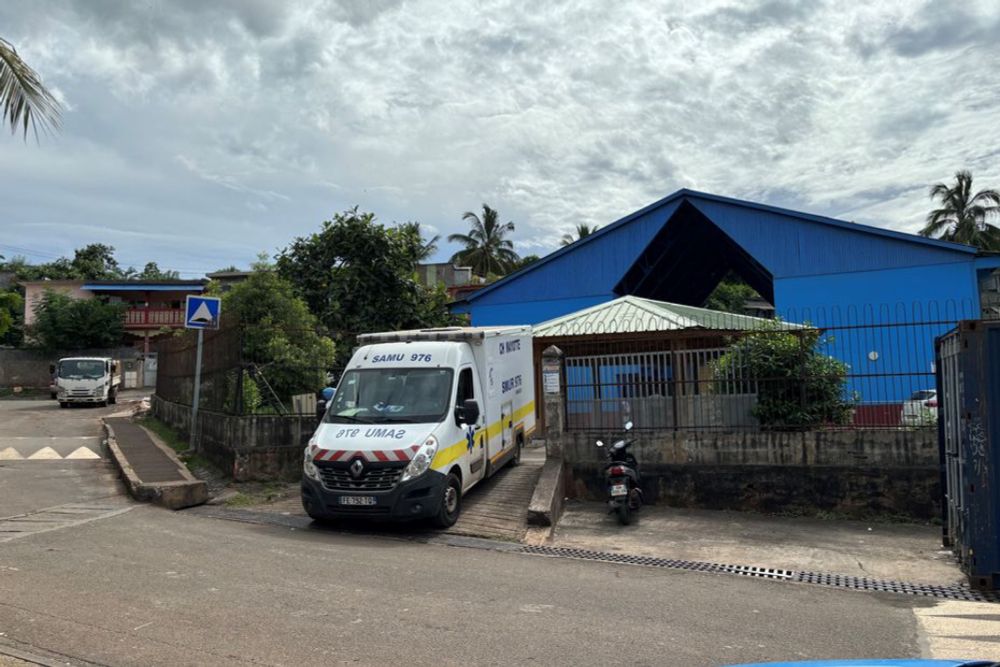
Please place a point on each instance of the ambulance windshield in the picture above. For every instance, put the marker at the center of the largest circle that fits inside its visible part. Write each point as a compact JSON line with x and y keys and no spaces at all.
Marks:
{"x":392,"y":395}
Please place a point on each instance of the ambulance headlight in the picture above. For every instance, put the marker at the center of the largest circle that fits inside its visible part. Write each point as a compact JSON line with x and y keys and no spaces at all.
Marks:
{"x":308,"y":467}
{"x":422,"y":460}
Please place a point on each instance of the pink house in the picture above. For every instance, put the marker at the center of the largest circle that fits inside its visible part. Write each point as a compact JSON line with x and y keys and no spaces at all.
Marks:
{"x":151,"y":306}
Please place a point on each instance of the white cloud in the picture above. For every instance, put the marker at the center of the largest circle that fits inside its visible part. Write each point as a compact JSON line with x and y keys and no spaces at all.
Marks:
{"x":256,"y":120}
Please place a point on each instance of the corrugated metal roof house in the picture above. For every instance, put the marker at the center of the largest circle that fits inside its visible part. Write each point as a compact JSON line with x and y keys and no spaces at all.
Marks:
{"x":657,"y":355}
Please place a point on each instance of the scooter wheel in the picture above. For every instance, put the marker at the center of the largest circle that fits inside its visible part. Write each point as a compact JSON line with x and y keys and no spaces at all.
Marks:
{"x":624,"y":514}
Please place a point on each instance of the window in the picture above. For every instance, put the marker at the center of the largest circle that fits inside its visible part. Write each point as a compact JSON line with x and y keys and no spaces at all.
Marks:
{"x":384,"y":395}
{"x":465,"y":389}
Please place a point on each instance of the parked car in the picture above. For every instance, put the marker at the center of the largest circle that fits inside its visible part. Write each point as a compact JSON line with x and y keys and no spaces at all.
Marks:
{"x":921,"y":409}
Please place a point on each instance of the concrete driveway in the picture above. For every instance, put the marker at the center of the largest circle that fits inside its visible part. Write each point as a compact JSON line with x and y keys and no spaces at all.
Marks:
{"x":896,"y":551}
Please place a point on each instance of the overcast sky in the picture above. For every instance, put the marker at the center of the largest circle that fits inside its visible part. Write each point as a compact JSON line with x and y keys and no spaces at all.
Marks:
{"x":198,"y":133}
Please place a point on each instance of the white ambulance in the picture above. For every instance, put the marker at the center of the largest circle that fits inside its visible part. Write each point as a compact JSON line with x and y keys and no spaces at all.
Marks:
{"x":418,"y":419}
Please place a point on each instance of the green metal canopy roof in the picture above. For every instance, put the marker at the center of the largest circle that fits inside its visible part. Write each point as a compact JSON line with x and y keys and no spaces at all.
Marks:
{"x":632,"y":314}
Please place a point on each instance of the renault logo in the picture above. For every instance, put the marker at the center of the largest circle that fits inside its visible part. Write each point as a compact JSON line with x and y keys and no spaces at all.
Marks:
{"x":357,"y":468}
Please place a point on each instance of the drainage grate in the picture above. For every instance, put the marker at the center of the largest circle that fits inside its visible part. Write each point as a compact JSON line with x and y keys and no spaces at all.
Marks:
{"x":816,"y":578}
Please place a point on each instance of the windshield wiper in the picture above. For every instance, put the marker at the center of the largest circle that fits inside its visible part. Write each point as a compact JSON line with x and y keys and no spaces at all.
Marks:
{"x":350,"y":419}
{"x":396,"y":420}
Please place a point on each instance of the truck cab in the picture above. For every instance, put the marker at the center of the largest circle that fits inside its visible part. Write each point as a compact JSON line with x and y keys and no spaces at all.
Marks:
{"x":86,"y":380}
{"x":417,"y":420}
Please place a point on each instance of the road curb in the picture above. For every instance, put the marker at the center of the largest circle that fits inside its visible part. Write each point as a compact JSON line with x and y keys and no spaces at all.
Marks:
{"x":547,"y":500}
{"x":173,"y":495}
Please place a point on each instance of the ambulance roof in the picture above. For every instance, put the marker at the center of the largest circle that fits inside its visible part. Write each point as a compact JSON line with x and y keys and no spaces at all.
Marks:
{"x":455,"y":334}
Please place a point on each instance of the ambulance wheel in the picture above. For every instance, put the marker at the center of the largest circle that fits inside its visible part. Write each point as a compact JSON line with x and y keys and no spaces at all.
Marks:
{"x":516,"y":461}
{"x":63,"y":404}
{"x":451,"y":503}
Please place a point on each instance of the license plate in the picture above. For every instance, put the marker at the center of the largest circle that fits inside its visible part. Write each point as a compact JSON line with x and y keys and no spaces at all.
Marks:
{"x":619,"y":489}
{"x":357,"y":500}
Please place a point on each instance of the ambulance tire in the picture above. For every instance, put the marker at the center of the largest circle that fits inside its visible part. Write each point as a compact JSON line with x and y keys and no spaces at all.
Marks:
{"x":516,"y":460}
{"x":451,"y":502}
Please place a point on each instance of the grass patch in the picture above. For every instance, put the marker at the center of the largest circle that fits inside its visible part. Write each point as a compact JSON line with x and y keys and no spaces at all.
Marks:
{"x":267,"y":492}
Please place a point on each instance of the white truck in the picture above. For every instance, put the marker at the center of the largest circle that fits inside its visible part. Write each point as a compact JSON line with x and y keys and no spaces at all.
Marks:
{"x":86,"y":380}
{"x":418,"y":419}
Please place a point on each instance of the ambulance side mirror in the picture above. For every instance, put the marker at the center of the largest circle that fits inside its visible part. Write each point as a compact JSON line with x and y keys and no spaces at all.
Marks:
{"x":467,"y":412}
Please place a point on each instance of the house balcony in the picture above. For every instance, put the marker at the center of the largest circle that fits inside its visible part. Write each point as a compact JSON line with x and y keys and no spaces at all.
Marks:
{"x":153,"y":318}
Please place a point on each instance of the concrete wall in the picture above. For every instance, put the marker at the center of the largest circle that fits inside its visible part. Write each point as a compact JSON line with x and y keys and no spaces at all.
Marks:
{"x":257,"y":447}
{"x":30,"y":368}
{"x":856,"y":472}
{"x":34,"y":291}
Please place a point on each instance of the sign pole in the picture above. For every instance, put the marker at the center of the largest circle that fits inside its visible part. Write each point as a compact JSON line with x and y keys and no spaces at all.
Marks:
{"x":197,"y":391}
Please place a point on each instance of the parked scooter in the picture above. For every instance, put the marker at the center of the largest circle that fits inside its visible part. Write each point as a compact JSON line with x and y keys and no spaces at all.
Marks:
{"x":622,"y":474}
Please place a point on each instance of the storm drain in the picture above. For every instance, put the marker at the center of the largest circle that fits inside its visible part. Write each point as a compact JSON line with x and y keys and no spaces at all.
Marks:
{"x":815,"y":578}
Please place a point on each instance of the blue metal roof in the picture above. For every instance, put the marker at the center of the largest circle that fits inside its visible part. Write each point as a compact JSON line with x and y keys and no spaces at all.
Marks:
{"x":143,"y":287}
{"x":773,"y":236}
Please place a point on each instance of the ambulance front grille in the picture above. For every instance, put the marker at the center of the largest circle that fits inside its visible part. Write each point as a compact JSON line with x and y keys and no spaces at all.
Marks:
{"x":372,"y":479}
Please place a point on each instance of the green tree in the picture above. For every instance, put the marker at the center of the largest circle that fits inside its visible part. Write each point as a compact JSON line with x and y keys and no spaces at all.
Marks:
{"x":357,"y":276}
{"x":64,"y":323}
{"x":582,"y":232}
{"x":964,"y":217}
{"x":11,"y":310}
{"x":730,"y":295}
{"x":26,"y":102}
{"x":427,"y":246}
{"x":96,"y":262}
{"x":153,"y":272}
{"x":486,"y":250}
{"x":280,"y":336}
{"x":527,"y":260}
{"x":797,"y":386}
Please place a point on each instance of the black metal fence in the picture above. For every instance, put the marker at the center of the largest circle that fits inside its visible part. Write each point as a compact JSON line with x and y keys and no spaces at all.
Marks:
{"x":830,"y":369}
{"x":232,"y":381}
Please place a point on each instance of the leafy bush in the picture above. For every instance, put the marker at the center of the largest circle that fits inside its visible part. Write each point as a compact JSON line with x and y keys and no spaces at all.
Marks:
{"x":280,"y":337}
{"x":64,"y":323}
{"x":797,"y":386}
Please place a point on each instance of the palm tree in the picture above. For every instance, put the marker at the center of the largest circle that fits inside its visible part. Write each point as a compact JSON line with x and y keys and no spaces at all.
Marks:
{"x":486,"y":249}
{"x":582,"y":231}
{"x":427,"y":246}
{"x":963,"y":216}
{"x":26,"y":102}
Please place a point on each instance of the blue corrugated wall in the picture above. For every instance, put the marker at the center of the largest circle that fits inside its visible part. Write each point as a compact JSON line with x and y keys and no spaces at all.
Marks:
{"x":830,"y":274}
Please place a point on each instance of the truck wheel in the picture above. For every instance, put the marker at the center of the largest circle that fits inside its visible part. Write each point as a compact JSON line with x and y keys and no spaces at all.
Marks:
{"x":63,"y":404}
{"x":113,"y":397}
{"x":451,"y":503}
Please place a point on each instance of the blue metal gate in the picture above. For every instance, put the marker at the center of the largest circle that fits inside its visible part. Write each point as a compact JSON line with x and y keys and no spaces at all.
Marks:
{"x":968,"y":379}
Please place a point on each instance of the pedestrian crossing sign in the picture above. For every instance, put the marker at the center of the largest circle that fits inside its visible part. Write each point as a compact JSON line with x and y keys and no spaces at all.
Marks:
{"x":202,"y":312}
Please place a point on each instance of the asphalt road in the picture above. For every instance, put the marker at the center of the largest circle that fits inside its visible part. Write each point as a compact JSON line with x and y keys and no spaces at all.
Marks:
{"x":151,"y":587}
{"x":36,"y":437}
{"x":138,"y":585}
